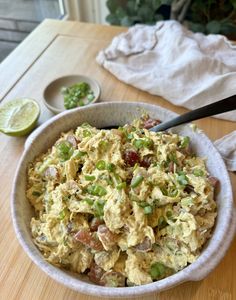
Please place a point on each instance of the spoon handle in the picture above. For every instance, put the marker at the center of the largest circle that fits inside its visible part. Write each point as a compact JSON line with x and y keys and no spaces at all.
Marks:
{"x":218,"y":107}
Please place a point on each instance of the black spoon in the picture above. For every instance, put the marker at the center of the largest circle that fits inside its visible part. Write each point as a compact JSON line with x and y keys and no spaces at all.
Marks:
{"x":215,"y":108}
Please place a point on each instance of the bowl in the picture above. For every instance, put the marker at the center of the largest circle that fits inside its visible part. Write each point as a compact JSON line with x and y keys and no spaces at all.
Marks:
{"x":53,"y":97}
{"x":110,"y":114}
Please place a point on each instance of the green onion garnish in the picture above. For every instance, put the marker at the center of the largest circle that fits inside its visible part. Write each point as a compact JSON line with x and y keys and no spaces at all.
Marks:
{"x":147,"y":210}
{"x":89,"y":177}
{"x":198,"y":172}
{"x":96,"y":190}
{"x":184,"y":142}
{"x":101,"y":165}
{"x":136,"y":181}
{"x":157,"y":270}
{"x":182,"y":179}
{"x":121,"y":186}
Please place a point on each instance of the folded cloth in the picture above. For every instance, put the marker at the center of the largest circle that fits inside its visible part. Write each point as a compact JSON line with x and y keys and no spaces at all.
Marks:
{"x":188,"y":69}
{"x":227,"y":148}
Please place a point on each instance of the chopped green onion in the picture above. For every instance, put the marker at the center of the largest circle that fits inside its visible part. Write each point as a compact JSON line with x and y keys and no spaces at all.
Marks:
{"x":121,"y":186}
{"x":130,"y":136}
{"x":99,"y":207}
{"x":136,"y":181}
{"x":74,"y":95}
{"x":90,"y":97}
{"x":86,"y":133}
{"x":103,"y":144}
{"x":89,"y":201}
{"x":157,"y":270}
{"x":169,"y":214}
{"x":110,"y":167}
{"x":184,"y":142}
{"x":96,"y":190}
{"x":64,"y":150}
{"x":198,"y":172}
{"x":117,"y":178}
{"x":172,"y":157}
{"x":147,"y":210}
{"x":101,"y":165}
{"x":164,"y":191}
{"x":172,"y":192}
{"x":89,"y":177}
{"x":78,"y":154}
{"x":182,"y":179}
{"x":62,"y":214}
{"x":138,"y":144}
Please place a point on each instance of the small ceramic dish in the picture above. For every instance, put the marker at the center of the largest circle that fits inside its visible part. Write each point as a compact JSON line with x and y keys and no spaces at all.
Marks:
{"x":53,"y":97}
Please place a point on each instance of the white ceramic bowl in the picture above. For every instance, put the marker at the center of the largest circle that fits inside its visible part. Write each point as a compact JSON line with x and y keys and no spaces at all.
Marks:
{"x":110,"y":114}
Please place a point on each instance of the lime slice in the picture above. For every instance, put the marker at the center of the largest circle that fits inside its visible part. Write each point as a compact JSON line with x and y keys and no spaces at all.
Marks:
{"x":18,"y":117}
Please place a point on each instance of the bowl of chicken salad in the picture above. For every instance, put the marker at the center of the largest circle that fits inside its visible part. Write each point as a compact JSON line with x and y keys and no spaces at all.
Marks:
{"x":109,"y":208}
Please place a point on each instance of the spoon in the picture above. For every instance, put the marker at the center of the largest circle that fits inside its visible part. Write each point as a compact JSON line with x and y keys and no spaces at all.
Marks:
{"x":215,"y":108}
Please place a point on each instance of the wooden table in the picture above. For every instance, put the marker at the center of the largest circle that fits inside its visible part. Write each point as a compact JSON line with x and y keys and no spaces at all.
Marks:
{"x":54,"y":49}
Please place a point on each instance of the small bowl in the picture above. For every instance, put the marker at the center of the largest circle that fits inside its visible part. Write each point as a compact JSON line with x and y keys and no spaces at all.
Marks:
{"x":53,"y":97}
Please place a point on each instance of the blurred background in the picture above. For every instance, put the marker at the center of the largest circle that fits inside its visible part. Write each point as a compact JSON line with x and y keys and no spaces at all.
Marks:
{"x":19,"y":17}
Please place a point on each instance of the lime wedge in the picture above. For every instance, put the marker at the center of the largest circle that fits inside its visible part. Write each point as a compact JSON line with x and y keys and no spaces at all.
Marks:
{"x":18,"y":117}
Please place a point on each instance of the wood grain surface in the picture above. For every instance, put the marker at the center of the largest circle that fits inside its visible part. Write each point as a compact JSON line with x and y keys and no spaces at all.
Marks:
{"x":54,"y":49}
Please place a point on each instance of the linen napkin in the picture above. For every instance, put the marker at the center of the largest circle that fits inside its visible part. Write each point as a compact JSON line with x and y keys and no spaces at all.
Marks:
{"x":188,"y":69}
{"x":227,"y":148}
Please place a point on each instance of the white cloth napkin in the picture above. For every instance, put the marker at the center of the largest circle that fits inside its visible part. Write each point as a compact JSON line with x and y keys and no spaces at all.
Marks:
{"x":188,"y":69}
{"x":227,"y":148}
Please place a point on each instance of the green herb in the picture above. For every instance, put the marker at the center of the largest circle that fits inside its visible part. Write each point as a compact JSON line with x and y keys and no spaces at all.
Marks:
{"x":185,"y":142}
{"x":164,"y":191}
{"x":136,"y":181}
{"x":90,"y":97}
{"x":103,"y":144}
{"x":78,"y":154}
{"x":89,"y":201}
{"x":172,"y":157}
{"x":121,"y":186}
{"x":64,"y":150}
{"x":169,"y":214}
{"x":101,"y":165}
{"x":147,"y":210}
{"x":76,"y":94}
{"x":117,"y":178}
{"x":99,"y":207}
{"x":89,"y":177}
{"x":62,"y":214}
{"x":86,"y":133}
{"x":157,"y":270}
{"x":110,"y":167}
{"x":198,"y":172}
{"x":138,"y":144}
{"x":130,"y":136}
{"x":172,"y":192}
{"x":143,"y":143}
{"x":96,"y":190}
{"x":182,"y":179}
